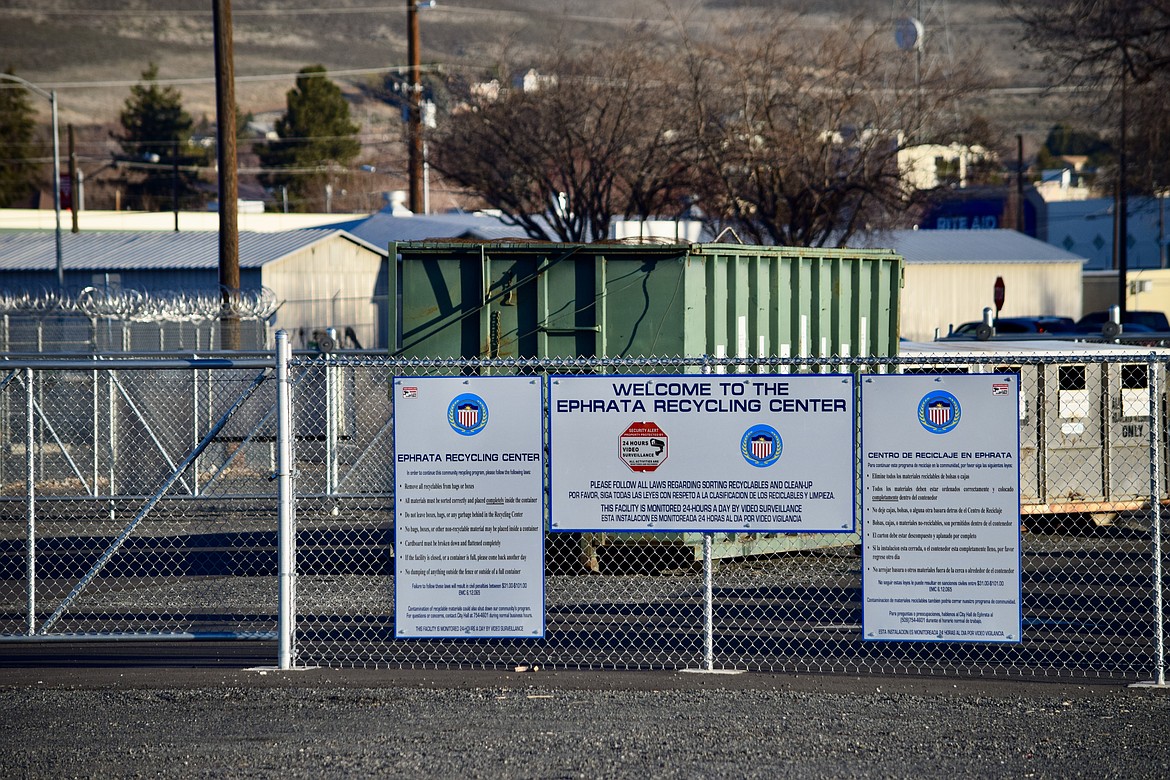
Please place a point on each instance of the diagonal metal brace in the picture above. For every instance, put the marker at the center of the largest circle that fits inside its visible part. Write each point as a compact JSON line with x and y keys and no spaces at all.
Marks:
{"x":175,"y":475}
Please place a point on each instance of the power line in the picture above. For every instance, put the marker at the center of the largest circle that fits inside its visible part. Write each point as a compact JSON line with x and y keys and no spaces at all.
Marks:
{"x":127,"y":13}
{"x":257,"y":78}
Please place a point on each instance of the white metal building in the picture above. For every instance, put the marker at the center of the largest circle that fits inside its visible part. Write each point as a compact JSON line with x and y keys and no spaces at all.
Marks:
{"x":950,"y":277}
{"x":320,"y":278}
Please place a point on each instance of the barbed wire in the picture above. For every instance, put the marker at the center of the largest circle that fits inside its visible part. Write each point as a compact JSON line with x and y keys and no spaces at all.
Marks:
{"x":142,"y":306}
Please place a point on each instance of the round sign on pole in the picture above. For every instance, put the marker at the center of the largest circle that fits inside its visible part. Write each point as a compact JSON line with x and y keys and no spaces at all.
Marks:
{"x":642,"y":446}
{"x":999,"y":291}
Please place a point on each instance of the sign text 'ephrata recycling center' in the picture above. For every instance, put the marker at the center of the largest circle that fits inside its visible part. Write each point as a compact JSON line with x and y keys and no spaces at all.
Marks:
{"x":700,"y":397}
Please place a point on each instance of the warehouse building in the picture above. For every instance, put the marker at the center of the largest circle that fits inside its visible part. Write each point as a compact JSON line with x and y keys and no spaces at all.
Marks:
{"x":950,"y":275}
{"x":315,"y":279}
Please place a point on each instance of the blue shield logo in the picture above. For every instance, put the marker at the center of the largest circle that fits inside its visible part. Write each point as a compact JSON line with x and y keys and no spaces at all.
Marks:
{"x":761,"y":445}
{"x":939,"y":412}
{"x":467,"y":414}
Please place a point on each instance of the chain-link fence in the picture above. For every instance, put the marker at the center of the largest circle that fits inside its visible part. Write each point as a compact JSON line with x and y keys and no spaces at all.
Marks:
{"x":145,"y":498}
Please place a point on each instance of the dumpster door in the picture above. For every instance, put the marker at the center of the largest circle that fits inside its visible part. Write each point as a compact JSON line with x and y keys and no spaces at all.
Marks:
{"x":1128,"y":432}
{"x":1073,"y":466}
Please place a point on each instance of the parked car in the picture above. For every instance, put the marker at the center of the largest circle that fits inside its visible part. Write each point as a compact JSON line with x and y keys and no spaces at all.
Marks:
{"x":1133,"y":322}
{"x":1017,"y":325}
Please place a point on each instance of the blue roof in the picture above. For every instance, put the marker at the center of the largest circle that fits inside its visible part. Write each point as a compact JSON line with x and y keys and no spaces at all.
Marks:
{"x":35,"y":250}
{"x":383,"y":228}
{"x":966,"y":246}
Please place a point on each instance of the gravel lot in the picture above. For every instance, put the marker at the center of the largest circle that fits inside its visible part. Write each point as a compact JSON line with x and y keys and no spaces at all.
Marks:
{"x":131,"y":713}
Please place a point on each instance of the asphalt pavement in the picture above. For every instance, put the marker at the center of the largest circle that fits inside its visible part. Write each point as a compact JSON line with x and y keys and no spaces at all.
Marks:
{"x":221,"y":710}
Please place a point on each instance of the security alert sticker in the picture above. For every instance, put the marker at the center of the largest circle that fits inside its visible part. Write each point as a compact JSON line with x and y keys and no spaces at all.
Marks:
{"x":643,"y":446}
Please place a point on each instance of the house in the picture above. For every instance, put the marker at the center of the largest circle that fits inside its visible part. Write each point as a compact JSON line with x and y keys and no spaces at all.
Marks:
{"x":926,"y":166}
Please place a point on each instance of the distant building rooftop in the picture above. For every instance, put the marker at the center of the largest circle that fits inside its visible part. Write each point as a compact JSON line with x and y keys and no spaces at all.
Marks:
{"x":966,"y":246}
{"x":35,"y":250}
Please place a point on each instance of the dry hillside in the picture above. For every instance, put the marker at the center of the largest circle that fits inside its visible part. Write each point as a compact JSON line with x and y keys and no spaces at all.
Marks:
{"x":92,"y":51}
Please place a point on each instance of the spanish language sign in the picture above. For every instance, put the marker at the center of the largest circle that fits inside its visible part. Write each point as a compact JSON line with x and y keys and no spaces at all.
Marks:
{"x":941,"y":508}
{"x":702,"y":453}
{"x":469,"y":536}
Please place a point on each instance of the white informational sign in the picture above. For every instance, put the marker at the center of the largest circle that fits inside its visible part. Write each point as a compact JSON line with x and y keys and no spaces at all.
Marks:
{"x":941,"y":508}
{"x":702,"y":453}
{"x":469,"y":535}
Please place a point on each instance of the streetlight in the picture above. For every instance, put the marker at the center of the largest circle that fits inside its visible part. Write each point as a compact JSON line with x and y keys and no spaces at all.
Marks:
{"x":156,"y":159}
{"x":51,"y":96}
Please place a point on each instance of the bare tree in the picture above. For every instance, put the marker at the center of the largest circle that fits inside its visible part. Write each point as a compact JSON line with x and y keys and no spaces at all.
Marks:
{"x":590,"y":139}
{"x":1150,"y":136}
{"x":791,"y":139}
{"x":798,"y":138}
{"x":1098,"y":42}
{"x":1118,"y":53}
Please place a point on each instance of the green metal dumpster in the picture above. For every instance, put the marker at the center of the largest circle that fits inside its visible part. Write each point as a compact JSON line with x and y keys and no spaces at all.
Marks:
{"x":519,"y":299}
{"x":536,"y":299}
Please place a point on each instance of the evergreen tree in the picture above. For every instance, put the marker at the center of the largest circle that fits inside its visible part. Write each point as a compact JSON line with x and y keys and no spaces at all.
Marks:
{"x":18,"y":172}
{"x":157,"y":131}
{"x":1063,"y":139}
{"x":315,"y":133}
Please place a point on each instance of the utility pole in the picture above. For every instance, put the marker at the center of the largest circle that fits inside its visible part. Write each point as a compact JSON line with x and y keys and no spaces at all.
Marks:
{"x":225,"y":131}
{"x":175,"y":181}
{"x":51,"y":95}
{"x":414,"y":118}
{"x":72,"y":180}
{"x":1020,"y":170}
{"x":1121,"y":218}
{"x":57,"y":187}
{"x":1162,"y":229}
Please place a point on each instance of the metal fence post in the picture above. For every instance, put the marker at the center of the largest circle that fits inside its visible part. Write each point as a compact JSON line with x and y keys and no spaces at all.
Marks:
{"x":708,"y":585}
{"x":96,"y":433}
{"x":1156,"y":519}
{"x":708,"y":603}
{"x":195,"y":426}
{"x":112,"y":441}
{"x":331,"y":464}
{"x":30,"y":488}
{"x":286,"y":542}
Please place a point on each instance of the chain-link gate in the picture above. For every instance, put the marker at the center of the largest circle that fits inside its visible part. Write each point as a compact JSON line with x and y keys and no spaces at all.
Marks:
{"x":159,"y":498}
{"x":136,"y":498}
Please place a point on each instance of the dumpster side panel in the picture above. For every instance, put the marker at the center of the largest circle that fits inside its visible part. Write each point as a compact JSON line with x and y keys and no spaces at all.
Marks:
{"x":645,"y":303}
{"x":780,"y":301}
{"x":564,"y":300}
{"x":433,"y":305}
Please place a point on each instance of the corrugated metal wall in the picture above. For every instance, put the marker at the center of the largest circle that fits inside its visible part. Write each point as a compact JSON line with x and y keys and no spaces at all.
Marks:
{"x":331,"y":284}
{"x":938,"y":295}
